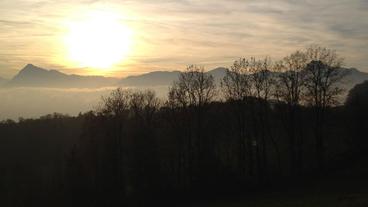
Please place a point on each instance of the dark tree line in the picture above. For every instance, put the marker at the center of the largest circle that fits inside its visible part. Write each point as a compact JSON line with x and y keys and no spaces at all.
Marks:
{"x":267,"y":122}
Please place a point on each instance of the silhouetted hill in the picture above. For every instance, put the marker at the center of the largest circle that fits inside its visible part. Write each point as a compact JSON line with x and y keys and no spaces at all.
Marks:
{"x":157,"y":78}
{"x":33,"y":76}
{"x":219,"y":72}
{"x":164,"y":78}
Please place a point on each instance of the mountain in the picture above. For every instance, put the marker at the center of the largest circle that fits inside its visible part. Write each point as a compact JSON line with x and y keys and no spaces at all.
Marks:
{"x":33,"y":76}
{"x":218,"y":74}
{"x":353,"y":77}
{"x":164,"y":78}
{"x":157,"y":78}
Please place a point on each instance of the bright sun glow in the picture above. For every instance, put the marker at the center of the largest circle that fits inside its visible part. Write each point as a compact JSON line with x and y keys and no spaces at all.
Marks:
{"x":99,"y":40}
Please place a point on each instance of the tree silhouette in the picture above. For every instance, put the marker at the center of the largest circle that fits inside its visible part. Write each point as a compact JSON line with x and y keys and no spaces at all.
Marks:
{"x":322,"y":75}
{"x":194,"y":90}
{"x":143,"y":150}
{"x":116,"y":108}
{"x":289,"y":90}
{"x":357,"y":108}
{"x":237,"y":89}
{"x":263,"y":82}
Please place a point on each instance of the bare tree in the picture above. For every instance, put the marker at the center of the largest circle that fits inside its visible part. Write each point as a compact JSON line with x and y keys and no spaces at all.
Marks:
{"x":289,"y":90}
{"x":237,"y":89}
{"x":143,"y":148}
{"x":322,"y":78}
{"x":144,"y":104}
{"x":262,"y":77}
{"x":116,"y":104}
{"x":291,"y":78}
{"x":322,"y":90}
{"x":236,"y":85}
{"x":194,"y":90}
{"x":263,"y":82}
{"x":116,"y":108}
{"x":194,"y":87}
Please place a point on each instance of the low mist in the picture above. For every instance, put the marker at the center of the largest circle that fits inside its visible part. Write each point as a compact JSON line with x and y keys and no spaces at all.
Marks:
{"x":33,"y":102}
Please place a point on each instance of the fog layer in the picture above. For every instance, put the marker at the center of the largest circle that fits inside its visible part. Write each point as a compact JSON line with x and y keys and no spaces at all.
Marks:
{"x":34,"y":102}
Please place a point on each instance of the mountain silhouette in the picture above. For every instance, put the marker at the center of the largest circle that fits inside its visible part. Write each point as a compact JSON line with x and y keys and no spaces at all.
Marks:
{"x":354,"y":77}
{"x":164,"y":78}
{"x":33,"y":76}
{"x":157,"y":78}
{"x":219,"y":72}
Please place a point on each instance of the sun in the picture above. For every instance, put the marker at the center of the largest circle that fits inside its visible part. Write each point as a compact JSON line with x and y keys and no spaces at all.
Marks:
{"x":98,"y":40}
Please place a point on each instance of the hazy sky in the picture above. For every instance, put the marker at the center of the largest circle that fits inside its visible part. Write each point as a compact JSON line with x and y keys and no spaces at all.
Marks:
{"x":170,"y":34}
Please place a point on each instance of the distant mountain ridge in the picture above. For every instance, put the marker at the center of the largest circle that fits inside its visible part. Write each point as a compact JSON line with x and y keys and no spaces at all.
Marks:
{"x":164,"y":78}
{"x":33,"y":76}
{"x":354,"y":77}
{"x":156,"y":78}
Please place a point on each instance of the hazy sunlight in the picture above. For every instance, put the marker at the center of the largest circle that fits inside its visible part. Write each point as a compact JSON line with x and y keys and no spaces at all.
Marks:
{"x":99,"y":40}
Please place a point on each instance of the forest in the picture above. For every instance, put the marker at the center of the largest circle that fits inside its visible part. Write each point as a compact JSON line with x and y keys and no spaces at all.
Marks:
{"x":267,"y":125}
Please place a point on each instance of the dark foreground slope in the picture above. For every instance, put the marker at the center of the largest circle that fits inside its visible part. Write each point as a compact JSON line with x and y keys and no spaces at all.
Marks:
{"x":346,"y":187}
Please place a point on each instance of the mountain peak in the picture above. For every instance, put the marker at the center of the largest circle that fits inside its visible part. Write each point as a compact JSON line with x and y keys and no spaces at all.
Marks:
{"x":35,"y":76}
{"x":32,"y":75}
{"x":30,"y":68}
{"x":29,"y":65}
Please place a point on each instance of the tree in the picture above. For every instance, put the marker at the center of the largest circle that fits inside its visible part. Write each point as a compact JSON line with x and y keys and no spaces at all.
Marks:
{"x":263,"y":81}
{"x":289,"y":89}
{"x":248,"y":85}
{"x":194,"y":88}
{"x":144,"y":104}
{"x":322,"y":77}
{"x":237,"y":89}
{"x":236,"y":84}
{"x":115,"y":108}
{"x":192,"y":93}
{"x":291,"y":78}
{"x":357,"y":110}
{"x":144,"y":162}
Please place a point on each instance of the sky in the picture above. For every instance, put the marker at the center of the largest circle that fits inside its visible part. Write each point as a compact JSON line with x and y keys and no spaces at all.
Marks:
{"x":171,"y":34}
